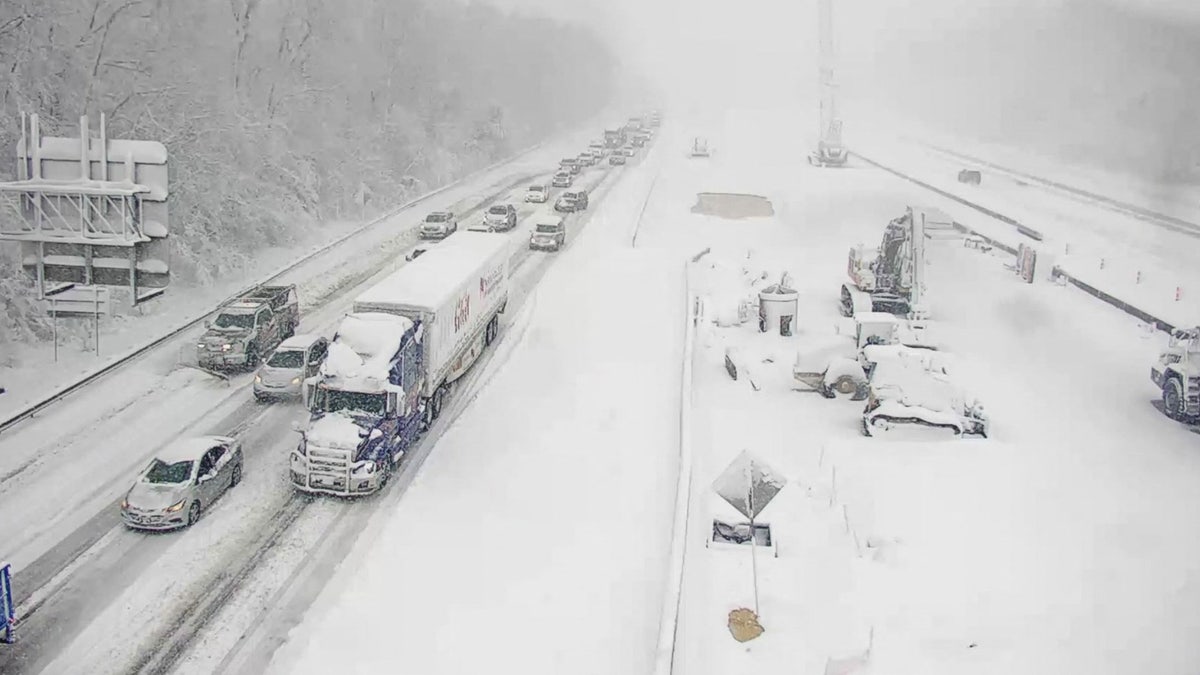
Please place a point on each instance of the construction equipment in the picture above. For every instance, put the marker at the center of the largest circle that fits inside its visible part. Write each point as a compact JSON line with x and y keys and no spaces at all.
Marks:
{"x":1177,"y":375}
{"x":909,"y":392}
{"x":830,"y":151}
{"x":890,"y":278}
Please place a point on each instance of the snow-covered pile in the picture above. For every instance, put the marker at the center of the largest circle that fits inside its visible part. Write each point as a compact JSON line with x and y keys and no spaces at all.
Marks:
{"x":364,"y":345}
{"x":336,"y":431}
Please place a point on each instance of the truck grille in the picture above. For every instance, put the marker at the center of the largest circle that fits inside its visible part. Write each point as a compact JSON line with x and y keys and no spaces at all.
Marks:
{"x":328,"y":468}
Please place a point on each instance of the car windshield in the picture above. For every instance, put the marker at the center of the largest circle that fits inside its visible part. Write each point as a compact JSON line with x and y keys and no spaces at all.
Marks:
{"x":352,"y":401}
{"x":536,"y":188}
{"x":548,"y":229}
{"x":436,"y":218}
{"x":498,"y":211}
{"x":234,"y":321}
{"x":291,"y":358}
{"x":161,"y":472}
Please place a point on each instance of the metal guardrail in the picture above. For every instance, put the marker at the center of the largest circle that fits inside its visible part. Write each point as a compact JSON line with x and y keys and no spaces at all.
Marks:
{"x":668,"y":628}
{"x":1023,"y":229}
{"x":128,"y":357}
{"x":1174,"y":223}
{"x":1056,"y":271}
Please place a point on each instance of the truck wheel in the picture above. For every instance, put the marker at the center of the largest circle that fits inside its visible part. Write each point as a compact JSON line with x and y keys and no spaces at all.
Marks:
{"x":489,"y":333}
{"x":439,"y":397}
{"x":1172,"y":396}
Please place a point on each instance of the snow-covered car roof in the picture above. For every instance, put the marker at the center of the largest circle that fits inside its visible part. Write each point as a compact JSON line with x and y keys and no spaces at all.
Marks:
{"x":547,"y":219}
{"x":299,"y":341}
{"x":189,"y":449}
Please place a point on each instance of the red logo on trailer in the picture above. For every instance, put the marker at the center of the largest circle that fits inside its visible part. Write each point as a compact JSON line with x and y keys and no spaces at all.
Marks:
{"x":462,"y":313}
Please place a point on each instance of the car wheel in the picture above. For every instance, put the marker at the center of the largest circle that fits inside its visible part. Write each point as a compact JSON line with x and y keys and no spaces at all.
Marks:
{"x":237,"y":476}
{"x":193,"y":513}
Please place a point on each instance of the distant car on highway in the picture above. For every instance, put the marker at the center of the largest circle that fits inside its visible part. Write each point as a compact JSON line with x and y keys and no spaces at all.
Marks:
{"x":297,"y":359}
{"x":537,"y":193}
{"x":501,"y":217}
{"x":549,"y":233}
{"x":572,"y":201}
{"x":586,"y":159}
{"x":439,"y":225}
{"x":616,"y":159}
{"x":563,"y":179}
{"x":182,"y":480}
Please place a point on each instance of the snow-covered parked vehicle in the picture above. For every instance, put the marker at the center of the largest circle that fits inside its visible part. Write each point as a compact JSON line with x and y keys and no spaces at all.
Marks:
{"x":392,"y":361}
{"x":1176,"y":373}
{"x":906,"y":393}
{"x":836,"y":365}
{"x":181,"y":481}
{"x":247,"y":328}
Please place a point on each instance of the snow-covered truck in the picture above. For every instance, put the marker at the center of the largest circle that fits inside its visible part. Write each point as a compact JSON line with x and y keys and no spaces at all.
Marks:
{"x":247,"y":328}
{"x":1177,"y":375}
{"x":393,"y":361}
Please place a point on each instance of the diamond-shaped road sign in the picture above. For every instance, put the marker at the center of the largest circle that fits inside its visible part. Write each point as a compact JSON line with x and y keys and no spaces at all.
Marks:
{"x":748,"y":484}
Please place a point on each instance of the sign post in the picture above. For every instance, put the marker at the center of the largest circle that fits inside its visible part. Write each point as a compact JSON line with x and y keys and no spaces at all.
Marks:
{"x":8,"y":610}
{"x":748,"y":484}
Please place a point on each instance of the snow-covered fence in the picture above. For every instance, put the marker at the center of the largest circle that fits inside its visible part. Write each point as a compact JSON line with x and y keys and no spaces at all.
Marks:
{"x":664,"y":661}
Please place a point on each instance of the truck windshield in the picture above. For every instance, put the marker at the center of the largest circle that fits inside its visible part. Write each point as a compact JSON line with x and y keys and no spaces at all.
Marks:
{"x":291,"y":358}
{"x":234,"y":321}
{"x":162,"y":472}
{"x":353,"y":401}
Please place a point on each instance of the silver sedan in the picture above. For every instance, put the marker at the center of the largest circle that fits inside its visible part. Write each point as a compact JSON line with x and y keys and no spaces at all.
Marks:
{"x":181,"y":481}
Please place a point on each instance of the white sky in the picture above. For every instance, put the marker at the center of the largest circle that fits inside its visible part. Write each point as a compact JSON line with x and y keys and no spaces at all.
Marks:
{"x":736,"y":45}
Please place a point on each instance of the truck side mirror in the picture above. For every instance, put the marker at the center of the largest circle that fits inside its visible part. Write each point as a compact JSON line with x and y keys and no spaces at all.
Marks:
{"x":309,"y":395}
{"x":392,"y":401}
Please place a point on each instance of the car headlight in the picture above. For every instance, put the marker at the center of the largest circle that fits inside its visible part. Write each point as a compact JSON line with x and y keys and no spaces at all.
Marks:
{"x":295,"y":380}
{"x":176,"y":506}
{"x":226,"y":347}
{"x":201,"y":345}
{"x":258,"y":379}
{"x":124,"y":503}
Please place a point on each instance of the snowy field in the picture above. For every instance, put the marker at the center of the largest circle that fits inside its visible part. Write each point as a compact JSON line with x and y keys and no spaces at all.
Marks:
{"x":1055,"y":546}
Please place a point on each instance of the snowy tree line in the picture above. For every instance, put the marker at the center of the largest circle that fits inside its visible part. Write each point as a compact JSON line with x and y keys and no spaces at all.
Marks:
{"x":275,"y":112}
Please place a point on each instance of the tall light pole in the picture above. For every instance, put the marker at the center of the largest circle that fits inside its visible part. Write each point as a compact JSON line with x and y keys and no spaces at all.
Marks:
{"x":829,"y":145}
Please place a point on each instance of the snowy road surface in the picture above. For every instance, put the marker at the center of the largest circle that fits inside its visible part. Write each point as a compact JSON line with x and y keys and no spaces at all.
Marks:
{"x":80,"y":567}
{"x":531,"y":529}
{"x":536,"y":532}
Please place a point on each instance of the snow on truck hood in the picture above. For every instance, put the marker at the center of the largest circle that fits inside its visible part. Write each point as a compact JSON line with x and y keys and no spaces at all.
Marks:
{"x":336,"y":431}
